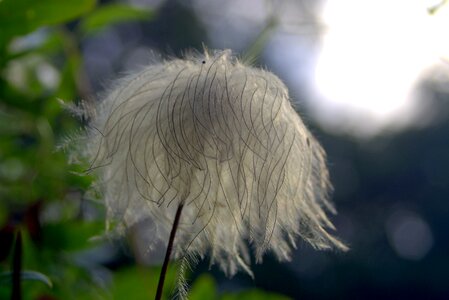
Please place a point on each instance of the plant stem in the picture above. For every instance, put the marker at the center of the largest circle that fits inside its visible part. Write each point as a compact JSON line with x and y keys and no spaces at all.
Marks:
{"x":17,"y":268}
{"x":160,"y":285}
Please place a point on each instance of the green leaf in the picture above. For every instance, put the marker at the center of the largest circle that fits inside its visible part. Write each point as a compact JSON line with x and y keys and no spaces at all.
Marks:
{"x":254,"y":294}
{"x":18,"y":17}
{"x":133,"y":283}
{"x":112,"y":14}
{"x":70,"y":236}
{"x":27,"y":275}
{"x":203,"y":288}
{"x":139,"y":283}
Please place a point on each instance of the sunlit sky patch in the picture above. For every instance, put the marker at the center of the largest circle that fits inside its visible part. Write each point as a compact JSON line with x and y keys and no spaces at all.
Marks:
{"x":372,"y":54}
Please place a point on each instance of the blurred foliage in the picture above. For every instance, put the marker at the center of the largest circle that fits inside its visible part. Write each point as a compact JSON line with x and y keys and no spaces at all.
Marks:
{"x":42,"y":194}
{"x":110,"y":14}
{"x":18,"y":17}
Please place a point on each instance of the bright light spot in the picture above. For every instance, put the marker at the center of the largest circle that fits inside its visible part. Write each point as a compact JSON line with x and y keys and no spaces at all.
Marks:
{"x":372,"y":55}
{"x":409,"y":235}
{"x":48,"y":75}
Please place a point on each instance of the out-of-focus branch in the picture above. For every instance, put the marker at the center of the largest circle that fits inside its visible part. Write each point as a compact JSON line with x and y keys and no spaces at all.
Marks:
{"x":433,"y":9}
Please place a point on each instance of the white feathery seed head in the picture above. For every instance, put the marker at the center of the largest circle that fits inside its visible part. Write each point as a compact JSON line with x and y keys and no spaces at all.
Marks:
{"x":222,"y":139}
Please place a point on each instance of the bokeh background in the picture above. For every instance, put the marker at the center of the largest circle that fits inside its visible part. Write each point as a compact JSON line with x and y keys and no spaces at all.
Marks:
{"x":369,"y":77}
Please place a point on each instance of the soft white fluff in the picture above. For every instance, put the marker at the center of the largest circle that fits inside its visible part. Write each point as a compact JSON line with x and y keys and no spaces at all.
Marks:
{"x":223,"y":139}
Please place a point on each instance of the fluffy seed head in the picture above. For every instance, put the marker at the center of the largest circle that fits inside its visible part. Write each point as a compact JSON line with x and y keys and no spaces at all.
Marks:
{"x":223,"y":139}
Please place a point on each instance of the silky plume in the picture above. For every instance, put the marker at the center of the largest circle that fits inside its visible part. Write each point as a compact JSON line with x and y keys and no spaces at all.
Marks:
{"x":221,"y":140}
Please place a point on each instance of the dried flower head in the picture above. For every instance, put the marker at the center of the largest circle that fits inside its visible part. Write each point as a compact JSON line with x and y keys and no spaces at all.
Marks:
{"x":223,"y":140}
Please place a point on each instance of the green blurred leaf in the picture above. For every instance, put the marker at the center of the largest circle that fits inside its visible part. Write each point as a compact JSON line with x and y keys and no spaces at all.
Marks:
{"x":71,"y":235}
{"x":111,"y":14}
{"x":27,"y":275}
{"x":44,"y":41}
{"x":133,"y":283}
{"x":254,"y":294}
{"x":140,"y":283}
{"x":18,"y":17}
{"x":67,"y":86}
{"x":203,"y":288}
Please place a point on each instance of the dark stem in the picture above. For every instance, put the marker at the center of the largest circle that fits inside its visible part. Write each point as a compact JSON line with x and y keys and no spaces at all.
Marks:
{"x":17,"y":268}
{"x":160,"y":285}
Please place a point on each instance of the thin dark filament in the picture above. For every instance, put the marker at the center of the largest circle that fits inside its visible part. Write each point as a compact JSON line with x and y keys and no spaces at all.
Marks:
{"x":17,"y":268}
{"x":160,"y":285}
